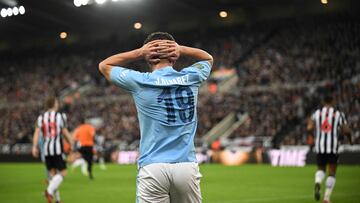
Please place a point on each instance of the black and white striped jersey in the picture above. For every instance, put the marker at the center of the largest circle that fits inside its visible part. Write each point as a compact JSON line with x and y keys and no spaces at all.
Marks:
{"x":328,"y":122}
{"x":51,"y":124}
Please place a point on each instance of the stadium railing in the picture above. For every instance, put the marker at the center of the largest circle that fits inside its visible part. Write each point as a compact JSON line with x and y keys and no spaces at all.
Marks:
{"x":218,"y":130}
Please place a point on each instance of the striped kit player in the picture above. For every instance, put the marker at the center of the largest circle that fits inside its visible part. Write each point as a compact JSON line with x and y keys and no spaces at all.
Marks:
{"x":327,"y":120}
{"x":328,"y":124}
{"x":51,"y":126}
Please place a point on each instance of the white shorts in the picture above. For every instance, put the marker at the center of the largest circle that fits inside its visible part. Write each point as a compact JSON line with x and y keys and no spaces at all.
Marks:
{"x":169,"y":183}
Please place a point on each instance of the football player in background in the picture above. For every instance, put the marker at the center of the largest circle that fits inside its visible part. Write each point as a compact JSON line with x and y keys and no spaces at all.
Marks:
{"x":328,"y":124}
{"x":51,"y":126}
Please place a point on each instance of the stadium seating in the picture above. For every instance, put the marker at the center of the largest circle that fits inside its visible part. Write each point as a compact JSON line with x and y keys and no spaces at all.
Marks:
{"x":293,"y":57}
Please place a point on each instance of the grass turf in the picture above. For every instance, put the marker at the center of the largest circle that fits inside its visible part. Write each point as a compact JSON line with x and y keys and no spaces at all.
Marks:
{"x":220,"y":184}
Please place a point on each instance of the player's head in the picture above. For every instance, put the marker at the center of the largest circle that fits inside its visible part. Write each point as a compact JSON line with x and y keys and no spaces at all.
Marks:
{"x":82,"y":119}
{"x":328,"y":100}
{"x":52,"y":103}
{"x":159,"y":36}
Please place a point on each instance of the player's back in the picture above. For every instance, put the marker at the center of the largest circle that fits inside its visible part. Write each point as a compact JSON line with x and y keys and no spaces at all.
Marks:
{"x":167,"y":115}
{"x":85,"y":135}
{"x":166,"y":102}
{"x":328,"y":121}
{"x":51,"y":124}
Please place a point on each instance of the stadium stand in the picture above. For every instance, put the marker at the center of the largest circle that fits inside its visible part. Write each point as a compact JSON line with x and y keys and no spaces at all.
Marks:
{"x":273,"y":86}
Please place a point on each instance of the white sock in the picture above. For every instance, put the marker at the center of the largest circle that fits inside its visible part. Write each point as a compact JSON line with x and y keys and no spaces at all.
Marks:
{"x":54,"y":184}
{"x":330,"y":184}
{"x":84,"y":169}
{"x":319,"y":176}
{"x":57,"y":195}
{"x":57,"y":192}
{"x":78,"y":162}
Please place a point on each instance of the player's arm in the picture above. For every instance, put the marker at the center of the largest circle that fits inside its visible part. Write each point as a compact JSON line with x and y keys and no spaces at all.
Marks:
{"x":174,"y":51}
{"x":74,"y":135}
{"x":310,"y":128}
{"x":35,"y":150}
{"x":148,"y":51}
{"x":67,"y":136}
{"x":347,"y":132}
{"x":345,"y":129}
{"x":92,"y":132}
{"x":196,"y":53}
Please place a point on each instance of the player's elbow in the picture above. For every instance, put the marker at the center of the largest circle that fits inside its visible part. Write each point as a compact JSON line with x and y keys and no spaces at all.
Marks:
{"x":211,"y":59}
{"x":105,"y":69}
{"x":102,"y":67}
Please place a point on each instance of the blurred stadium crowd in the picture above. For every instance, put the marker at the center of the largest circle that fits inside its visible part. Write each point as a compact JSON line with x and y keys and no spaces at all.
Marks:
{"x":284,"y":71}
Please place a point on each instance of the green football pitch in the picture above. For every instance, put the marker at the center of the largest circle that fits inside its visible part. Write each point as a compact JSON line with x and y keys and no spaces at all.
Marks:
{"x":23,"y":183}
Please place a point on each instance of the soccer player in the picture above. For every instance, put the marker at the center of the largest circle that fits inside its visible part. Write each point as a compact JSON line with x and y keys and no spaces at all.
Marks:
{"x":166,"y":102}
{"x":84,"y":135}
{"x":328,"y":123}
{"x":100,"y":151}
{"x":51,"y":126}
{"x":76,"y":159}
{"x":42,"y":157}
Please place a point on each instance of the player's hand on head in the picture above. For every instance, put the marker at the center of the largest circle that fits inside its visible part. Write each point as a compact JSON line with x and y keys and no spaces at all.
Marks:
{"x":150,"y":51}
{"x":160,"y":49}
{"x":153,"y":60}
{"x":171,"y":50}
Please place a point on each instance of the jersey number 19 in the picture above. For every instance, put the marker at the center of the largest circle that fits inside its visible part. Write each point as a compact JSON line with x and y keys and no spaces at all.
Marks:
{"x":185,"y":103}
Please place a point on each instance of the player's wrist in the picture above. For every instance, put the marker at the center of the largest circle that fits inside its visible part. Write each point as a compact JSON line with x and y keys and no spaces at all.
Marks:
{"x":137,"y":54}
{"x":140,"y":52}
{"x":182,"y":50}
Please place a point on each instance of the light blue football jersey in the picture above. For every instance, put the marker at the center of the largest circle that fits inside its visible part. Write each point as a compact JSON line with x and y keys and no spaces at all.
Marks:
{"x":166,"y":102}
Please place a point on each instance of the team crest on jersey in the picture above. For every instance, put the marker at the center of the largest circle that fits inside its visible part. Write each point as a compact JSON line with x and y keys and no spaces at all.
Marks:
{"x":198,"y":66}
{"x":326,"y":126}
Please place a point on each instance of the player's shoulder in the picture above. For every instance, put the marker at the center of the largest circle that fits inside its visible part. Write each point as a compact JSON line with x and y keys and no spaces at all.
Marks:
{"x":337,"y":110}
{"x":90,"y":127}
{"x":123,"y":71}
{"x":42,"y":114}
{"x":317,"y":111}
{"x":61,"y":115}
{"x":202,"y":64}
{"x":199,"y":65}
{"x":342,"y":114}
{"x":125,"y":74}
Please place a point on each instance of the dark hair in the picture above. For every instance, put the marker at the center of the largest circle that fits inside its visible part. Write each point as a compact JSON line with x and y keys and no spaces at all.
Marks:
{"x":159,"y":35}
{"x":82,"y":119}
{"x":328,"y":99}
{"x":50,"y":102}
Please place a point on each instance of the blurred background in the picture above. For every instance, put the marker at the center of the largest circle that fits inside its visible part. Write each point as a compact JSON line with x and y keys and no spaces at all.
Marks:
{"x":274,"y":62}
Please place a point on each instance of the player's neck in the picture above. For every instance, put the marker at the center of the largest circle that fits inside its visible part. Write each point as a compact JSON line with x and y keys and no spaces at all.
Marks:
{"x":328,"y":105}
{"x":52,"y":109}
{"x":161,"y":64}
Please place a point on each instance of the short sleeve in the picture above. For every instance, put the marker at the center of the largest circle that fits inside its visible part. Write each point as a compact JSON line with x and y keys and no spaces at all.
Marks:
{"x":343,"y":120}
{"x":92,"y":131}
{"x":39,"y":122}
{"x":126,"y":78}
{"x":203,"y":68}
{"x":313,"y":116}
{"x":64,"y":120}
